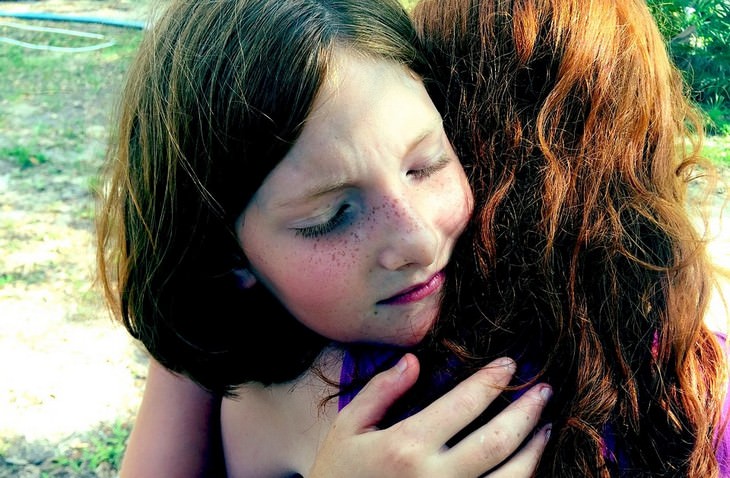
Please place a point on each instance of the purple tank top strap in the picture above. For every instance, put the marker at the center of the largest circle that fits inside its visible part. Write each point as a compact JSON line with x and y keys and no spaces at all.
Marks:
{"x":362,"y":363}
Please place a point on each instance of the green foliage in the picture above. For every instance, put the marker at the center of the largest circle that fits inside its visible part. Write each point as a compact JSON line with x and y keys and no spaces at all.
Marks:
{"x":28,"y":276}
{"x":104,"y":447}
{"x":22,"y":156}
{"x":5,"y":279}
{"x":717,"y":110}
{"x":717,"y":149}
{"x":408,"y":4}
{"x":698,"y":36}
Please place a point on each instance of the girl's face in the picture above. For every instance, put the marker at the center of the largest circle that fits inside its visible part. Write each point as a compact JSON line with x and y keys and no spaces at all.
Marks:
{"x":352,"y":229}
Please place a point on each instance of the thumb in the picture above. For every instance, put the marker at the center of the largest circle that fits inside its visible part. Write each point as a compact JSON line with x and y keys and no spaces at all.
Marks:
{"x":370,"y":405}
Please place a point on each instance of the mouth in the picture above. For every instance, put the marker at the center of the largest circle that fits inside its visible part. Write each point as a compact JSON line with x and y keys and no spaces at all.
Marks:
{"x":417,"y":292}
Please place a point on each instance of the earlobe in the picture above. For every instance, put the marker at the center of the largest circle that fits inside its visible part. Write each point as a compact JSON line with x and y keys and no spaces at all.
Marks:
{"x":246,"y":279}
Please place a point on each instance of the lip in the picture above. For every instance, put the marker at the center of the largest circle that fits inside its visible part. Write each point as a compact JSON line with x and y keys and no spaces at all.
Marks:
{"x":417,"y":292}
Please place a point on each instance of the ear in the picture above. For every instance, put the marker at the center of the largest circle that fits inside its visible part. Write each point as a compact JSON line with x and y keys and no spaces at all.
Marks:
{"x":246,"y":279}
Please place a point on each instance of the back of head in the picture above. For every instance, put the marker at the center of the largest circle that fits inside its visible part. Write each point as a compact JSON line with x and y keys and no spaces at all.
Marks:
{"x":578,"y":135}
{"x":217,"y":95}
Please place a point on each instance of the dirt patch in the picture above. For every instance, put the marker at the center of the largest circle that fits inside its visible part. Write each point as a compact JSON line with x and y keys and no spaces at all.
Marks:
{"x":68,"y":371}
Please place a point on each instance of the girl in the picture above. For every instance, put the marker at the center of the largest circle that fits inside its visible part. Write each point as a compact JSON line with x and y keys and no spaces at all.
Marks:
{"x":581,"y":141}
{"x":567,"y":115}
{"x":280,"y":185}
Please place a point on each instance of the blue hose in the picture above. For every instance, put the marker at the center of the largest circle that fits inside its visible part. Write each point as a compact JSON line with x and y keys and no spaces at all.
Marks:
{"x":74,"y":19}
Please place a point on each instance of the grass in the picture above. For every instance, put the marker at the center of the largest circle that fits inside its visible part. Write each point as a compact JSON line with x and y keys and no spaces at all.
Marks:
{"x":53,"y":95}
{"x":55,"y":113}
{"x":104,"y":447}
{"x":408,"y":4}
{"x":98,"y":452}
{"x":717,"y":149}
{"x":58,"y":71}
{"x":24,"y":157}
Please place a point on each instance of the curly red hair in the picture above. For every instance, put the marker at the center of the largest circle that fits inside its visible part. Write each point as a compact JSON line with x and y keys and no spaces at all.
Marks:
{"x":580,"y":139}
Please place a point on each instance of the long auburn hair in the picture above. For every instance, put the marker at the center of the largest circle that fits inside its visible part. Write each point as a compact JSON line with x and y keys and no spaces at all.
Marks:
{"x":580,"y":140}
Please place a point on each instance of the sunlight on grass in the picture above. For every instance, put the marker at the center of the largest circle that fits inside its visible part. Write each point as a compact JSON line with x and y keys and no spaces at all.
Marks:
{"x":408,"y":4}
{"x":717,"y":149}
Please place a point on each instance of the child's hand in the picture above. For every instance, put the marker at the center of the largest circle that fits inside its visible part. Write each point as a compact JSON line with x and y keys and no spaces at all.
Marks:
{"x":415,"y":447}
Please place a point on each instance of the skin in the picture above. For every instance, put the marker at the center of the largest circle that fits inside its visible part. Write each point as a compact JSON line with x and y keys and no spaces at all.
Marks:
{"x":280,"y":431}
{"x":179,"y":440}
{"x":366,"y":207}
{"x":390,"y":199}
{"x":415,"y":447}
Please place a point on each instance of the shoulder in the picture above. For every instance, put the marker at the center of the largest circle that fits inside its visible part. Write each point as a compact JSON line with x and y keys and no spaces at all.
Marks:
{"x":251,"y":432}
{"x":275,"y":430}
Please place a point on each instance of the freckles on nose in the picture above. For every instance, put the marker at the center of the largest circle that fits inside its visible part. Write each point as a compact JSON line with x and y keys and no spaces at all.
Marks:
{"x":392,"y":209}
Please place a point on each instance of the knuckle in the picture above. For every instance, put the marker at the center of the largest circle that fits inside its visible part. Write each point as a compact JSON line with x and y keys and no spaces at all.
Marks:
{"x":403,"y":456}
{"x":467,"y":404}
{"x":496,"y":444}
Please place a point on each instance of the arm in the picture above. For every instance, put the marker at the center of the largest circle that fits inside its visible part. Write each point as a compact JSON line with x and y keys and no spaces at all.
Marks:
{"x":176,"y":432}
{"x":415,"y":447}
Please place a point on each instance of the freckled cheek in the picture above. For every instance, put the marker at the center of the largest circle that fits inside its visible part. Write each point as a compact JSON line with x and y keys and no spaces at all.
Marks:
{"x":330,"y":265}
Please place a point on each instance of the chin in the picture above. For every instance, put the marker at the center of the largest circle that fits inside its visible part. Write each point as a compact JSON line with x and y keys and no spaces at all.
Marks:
{"x":417,"y":332}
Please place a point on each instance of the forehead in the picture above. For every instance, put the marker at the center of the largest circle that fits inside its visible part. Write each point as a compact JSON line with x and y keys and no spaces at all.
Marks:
{"x":368,"y":112}
{"x":360,"y":94}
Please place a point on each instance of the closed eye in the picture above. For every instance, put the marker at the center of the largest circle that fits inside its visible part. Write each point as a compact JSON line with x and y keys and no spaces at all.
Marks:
{"x":317,"y":230}
{"x":431,"y":169}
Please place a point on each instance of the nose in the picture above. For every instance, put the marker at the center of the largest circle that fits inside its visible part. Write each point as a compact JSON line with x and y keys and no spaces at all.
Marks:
{"x":411,"y":237}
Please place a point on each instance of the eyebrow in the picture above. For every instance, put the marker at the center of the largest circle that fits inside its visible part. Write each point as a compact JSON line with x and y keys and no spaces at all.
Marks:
{"x":323,"y":189}
{"x":313,"y":193}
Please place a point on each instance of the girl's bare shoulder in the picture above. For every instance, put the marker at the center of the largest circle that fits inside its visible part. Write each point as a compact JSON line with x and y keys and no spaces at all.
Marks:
{"x":275,"y":430}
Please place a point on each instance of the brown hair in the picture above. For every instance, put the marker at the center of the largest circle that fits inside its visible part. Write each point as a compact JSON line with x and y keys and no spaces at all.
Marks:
{"x":580,"y":140}
{"x":215,"y":98}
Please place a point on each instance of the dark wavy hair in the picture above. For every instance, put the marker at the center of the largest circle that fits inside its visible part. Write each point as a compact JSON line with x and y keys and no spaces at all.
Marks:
{"x":580,"y":141}
{"x":216,"y":96}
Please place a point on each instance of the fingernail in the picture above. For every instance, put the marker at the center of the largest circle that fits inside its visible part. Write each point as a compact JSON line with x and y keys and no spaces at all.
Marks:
{"x":402,"y":365}
{"x":546,"y":392}
{"x":505,"y":362}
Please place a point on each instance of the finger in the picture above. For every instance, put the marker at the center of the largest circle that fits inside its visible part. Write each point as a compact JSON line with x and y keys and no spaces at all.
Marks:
{"x":525,"y":461}
{"x":370,"y":405}
{"x":493,"y":442}
{"x":449,"y":414}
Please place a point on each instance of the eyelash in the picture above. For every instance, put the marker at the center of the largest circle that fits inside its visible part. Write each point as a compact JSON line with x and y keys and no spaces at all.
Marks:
{"x":318,"y":230}
{"x":428,"y":171}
